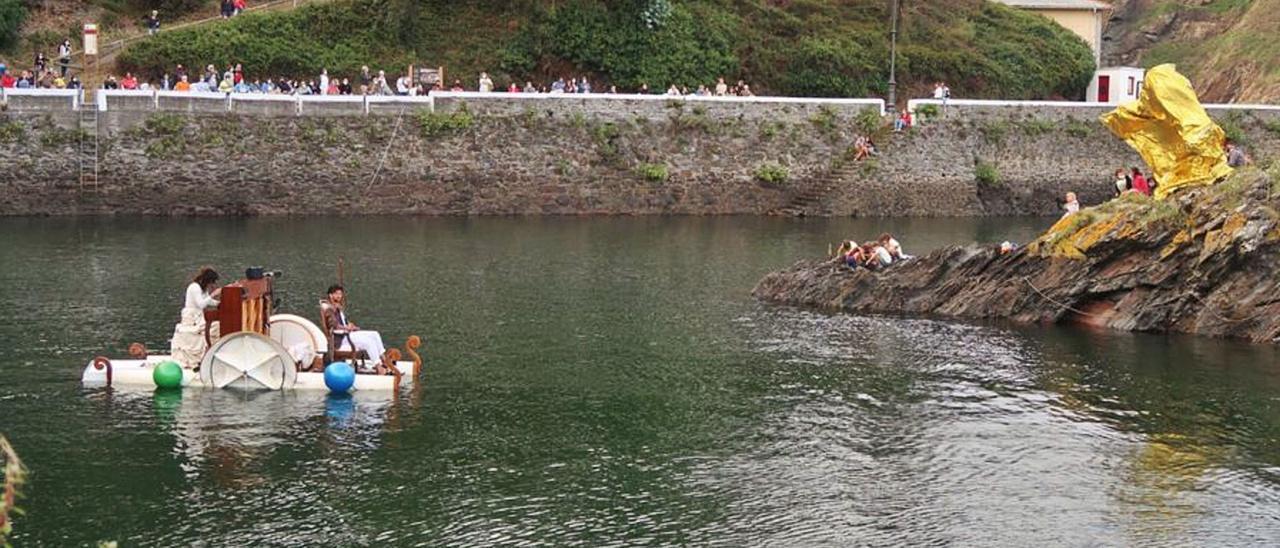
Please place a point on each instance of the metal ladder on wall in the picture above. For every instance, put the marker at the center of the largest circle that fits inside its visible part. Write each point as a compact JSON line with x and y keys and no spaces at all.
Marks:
{"x":88,"y":147}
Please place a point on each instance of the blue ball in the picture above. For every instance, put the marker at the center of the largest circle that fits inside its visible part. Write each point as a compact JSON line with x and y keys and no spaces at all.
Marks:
{"x":339,"y":377}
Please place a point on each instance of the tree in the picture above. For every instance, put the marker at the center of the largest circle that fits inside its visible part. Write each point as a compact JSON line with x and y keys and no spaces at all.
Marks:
{"x":12,"y":13}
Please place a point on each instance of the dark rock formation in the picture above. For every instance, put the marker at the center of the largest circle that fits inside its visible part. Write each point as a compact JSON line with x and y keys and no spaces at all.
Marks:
{"x":1206,"y":261}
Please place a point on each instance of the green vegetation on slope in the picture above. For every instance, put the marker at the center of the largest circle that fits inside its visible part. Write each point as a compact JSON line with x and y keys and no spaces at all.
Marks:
{"x":1226,"y":47}
{"x":12,"y":12}
{"x":796,"y":47}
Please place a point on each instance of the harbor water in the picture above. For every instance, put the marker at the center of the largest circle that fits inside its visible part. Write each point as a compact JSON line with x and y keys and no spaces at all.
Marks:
{"x":611,"y":382}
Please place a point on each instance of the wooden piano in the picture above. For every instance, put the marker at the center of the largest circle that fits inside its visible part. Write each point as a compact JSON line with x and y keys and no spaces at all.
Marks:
{"x":245,"y":306}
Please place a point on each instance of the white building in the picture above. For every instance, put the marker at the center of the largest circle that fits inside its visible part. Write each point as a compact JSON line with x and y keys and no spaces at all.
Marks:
{"x":1086,"y":18}
{"x":1115,"y":85}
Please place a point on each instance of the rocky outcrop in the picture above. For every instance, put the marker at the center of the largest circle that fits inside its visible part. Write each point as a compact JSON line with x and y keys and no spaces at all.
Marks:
{"x":1206,"y":261}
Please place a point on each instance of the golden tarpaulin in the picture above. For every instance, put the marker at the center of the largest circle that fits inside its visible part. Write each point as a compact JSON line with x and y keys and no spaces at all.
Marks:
{"x":1172,"y":132}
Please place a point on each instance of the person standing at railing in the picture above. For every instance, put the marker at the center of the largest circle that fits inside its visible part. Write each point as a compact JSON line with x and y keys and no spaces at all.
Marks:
{"x":486,"y":84}
{"x":64,"y":56}
{"x":152,"y":22}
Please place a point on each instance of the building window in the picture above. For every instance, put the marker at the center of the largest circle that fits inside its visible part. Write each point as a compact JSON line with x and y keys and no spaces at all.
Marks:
{"x":1132,"y":89}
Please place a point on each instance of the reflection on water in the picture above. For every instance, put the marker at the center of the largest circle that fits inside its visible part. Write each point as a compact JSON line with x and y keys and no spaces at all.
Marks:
{"x":609,"y":382}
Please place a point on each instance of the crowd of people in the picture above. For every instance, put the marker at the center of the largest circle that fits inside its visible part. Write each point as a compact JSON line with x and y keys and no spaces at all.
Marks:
{"x":574,"y":84}
{"x":873,"y":255}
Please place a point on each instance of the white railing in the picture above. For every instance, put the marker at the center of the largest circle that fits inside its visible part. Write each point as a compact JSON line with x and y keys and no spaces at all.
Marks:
{"x":877,"y":103}
{"x":296,"y":104}
{"x":913,"y":104}
{"x":71,"y":96}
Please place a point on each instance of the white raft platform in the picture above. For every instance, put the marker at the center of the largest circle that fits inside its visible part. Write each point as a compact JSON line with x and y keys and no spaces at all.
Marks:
{"x":251,"y":361}
{"x":137,"y":374}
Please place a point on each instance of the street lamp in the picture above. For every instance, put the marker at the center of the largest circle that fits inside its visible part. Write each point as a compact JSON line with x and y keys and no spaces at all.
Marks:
{"x":893,"y":59}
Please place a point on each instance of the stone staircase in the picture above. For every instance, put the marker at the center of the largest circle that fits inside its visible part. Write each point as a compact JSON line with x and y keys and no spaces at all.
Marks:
{"x":811,"y":198}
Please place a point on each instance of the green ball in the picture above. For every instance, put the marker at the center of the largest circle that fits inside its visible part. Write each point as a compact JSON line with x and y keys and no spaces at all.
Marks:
{"x":167,"y":375}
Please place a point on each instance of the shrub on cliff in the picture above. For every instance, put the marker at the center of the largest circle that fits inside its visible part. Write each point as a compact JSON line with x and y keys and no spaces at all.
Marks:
{"x":772,"y":174}
{"x":798,"y":47}
{"x":433,"y":124}
{"x":655,"y":173}
{"x":986,"y":173}
{"x":12,"y":13}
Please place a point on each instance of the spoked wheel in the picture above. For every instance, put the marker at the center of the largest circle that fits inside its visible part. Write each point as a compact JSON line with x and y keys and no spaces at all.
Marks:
{"x":255,"y":361}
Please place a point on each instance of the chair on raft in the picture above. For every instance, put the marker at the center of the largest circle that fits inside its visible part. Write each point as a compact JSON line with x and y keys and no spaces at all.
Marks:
{"x":335,"y":335}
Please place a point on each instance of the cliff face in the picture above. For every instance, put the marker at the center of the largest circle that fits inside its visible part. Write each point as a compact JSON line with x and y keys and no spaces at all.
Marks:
{"x":1225,"y":46}
{"x":1203,"y":262}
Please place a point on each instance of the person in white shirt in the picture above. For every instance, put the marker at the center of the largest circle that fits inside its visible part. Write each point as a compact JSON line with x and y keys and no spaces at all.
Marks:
{"x":324,"y":81}
{"x":486,"y":84}
{"x":402,"y":85}
{"x":188,"y":344}
{"x":334,"y":314}
{"x":1072,"y":204}
{"x":894,"y":248}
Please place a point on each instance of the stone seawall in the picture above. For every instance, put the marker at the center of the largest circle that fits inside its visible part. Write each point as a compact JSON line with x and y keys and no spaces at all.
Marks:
{"x":498,"y":155}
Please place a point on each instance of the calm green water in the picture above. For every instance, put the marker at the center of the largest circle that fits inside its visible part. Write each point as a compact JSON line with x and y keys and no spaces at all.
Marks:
{"x":609,"y":382}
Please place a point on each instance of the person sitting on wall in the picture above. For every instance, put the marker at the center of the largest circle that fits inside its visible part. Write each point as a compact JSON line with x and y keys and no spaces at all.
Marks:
{"x":903,"y":122}
{"x":336,"y":321}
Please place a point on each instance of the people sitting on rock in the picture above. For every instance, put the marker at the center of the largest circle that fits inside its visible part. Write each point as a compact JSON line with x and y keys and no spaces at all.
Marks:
{"x":849,"y":254}
{"x":1140,"y":182}
{"x":1236,"y":156}
{"x":333,"y":310}
{"x":877,"y":256}
{"x":894,"y":248}
{"x":1121,"y":182}
{"x":1071,"y":204}
{"x":1007,"y":247}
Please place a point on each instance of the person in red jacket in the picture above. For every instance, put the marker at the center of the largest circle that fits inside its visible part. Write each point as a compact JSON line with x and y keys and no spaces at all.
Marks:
{"x":1140,"y":182}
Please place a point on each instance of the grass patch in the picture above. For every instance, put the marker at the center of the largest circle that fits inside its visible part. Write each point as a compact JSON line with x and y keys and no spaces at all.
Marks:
{"x":605,"y":136}
{"x":435,"y":124}
{"x":994,"y":131}
{"x":986,"y":173}
{"x":12,"y":132}
{"x":654,"y":173}
{"x":869,"y":121}
{"x":825,"y":119}
{"x":1036,"y":127}
{"x":1233,"y":125}
{"x":1078,"y":129}
{"x":928,"y":112}
{"x":772,"y":174}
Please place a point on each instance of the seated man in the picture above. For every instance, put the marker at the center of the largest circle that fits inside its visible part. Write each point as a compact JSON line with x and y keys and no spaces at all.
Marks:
{"x":347,"y":334}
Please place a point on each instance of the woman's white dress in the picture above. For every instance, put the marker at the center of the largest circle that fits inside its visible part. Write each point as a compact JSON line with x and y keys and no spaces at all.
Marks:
{"x":188,"y":344}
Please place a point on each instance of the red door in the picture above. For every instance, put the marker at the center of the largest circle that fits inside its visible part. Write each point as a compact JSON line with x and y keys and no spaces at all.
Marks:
{"x":1104,"y":89}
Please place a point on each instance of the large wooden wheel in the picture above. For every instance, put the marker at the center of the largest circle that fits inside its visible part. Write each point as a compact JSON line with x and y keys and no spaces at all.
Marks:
{"x":248,"y":360}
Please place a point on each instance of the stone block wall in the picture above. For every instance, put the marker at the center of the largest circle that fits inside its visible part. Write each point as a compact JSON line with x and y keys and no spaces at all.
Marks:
{"x":563,"y":156}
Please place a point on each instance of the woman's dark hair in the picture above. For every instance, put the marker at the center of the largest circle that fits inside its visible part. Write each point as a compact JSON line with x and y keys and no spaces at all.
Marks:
{"x":334,"y":287}
{"x":206,"y":277}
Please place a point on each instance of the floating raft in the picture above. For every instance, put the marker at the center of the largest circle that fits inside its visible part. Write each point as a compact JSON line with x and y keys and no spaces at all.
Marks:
{"x":252,"y":361}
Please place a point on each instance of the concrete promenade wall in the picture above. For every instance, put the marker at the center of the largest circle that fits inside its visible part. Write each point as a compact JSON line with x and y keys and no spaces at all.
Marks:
{"x":497,"y":154}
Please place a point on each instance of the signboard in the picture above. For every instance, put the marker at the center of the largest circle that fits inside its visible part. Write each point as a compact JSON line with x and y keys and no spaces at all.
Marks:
{"x":90,"y":39}
{"x":428,"y":77}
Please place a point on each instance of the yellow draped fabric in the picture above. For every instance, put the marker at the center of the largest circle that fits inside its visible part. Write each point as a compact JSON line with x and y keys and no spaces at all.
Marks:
{"x":1172,"y":132}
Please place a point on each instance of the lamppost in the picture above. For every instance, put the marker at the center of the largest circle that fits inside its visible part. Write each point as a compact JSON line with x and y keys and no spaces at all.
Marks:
{"x":893,"y":59}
